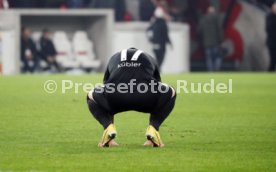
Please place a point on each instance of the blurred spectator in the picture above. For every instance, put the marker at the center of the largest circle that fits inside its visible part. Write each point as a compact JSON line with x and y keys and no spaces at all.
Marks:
{"x":132,"y":8}
{"x":178,"y":9}
{"x":146,"y":9}
{"x":176,"y":13}
{"x":118,"y":5}
{"x":48,"y":52}
{"x":159,"y":32}
{"x":28,"y":51}
{"x":271,"y":36}
{"x":211,"y":30}
{"x":215,"y":3}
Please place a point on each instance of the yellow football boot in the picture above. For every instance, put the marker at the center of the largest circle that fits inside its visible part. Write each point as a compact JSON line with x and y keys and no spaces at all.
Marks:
{"x":154,"y":137}
{"x":108,"y":136}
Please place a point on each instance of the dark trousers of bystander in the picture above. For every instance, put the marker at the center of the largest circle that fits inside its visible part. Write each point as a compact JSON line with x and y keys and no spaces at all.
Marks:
{"x":213,"y":58}
{"x":159,"y":53}
{"x":272,"y":65}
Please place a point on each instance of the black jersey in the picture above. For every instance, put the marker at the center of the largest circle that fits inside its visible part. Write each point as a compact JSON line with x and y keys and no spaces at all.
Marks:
{"x":131,"y":64}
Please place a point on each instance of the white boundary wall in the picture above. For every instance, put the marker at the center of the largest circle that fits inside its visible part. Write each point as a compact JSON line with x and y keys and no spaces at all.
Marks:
{"x":8,"y":50}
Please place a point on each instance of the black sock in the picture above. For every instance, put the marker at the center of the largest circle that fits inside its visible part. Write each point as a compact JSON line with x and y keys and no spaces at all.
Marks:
{"x":158,"y":117}
{"x":101,"y":115}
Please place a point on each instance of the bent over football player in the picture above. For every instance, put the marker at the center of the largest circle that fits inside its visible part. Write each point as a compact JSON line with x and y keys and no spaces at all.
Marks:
{"x":139,"y":72}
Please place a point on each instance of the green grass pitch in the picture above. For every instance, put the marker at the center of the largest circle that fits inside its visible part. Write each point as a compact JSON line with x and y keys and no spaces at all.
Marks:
{"x":205,"y":132}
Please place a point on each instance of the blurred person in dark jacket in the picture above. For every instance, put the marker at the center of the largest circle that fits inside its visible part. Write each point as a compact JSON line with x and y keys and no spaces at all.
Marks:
{"x":158,"y":32}
{"x":146,"y":9}
{"x":48,"y":51}
{"x":271,"y":37}
{"x":28,"y":52}
{"x":211,"y":30}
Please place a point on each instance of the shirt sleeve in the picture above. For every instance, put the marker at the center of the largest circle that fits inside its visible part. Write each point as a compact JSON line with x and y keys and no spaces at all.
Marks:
{"x":166,"y":28}
{"x":106,"y":76}
{"x":111,"y":65}
{"x":156,"y":72}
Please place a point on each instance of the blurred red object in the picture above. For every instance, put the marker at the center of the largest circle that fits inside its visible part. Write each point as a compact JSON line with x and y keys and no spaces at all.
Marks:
{"x":1,"y":3}
{"x":63,"y":7}
{"x":127,"y":16}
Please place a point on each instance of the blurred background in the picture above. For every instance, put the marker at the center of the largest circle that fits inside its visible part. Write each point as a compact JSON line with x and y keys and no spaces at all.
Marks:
{"x":79,"y":36}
